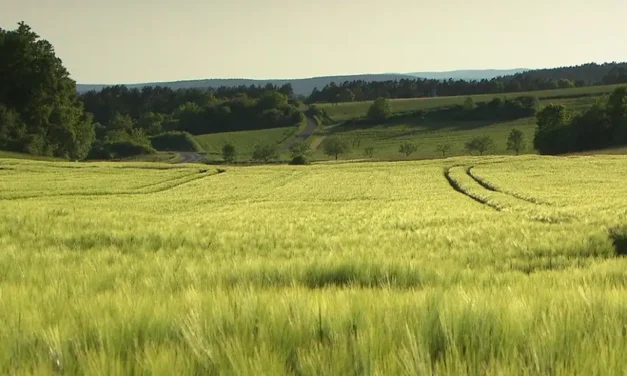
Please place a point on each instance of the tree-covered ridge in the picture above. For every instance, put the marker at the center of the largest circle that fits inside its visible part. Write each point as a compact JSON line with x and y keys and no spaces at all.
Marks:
{"x":198,"y":111}
{"x":543,"y":79}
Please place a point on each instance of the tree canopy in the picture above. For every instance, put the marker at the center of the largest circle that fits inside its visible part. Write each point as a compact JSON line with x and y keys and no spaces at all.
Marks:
{"x":40,"y":111}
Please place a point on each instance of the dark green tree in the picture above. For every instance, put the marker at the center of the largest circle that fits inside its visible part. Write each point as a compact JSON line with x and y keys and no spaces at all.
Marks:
{"x":443,"y":148}
{"x":516,"y":140}
{"x":407,"y":148}
{"x":380,"y":110}
{"x":335,"y":146}
{"x":35,"y":84}
{"x":229,"y":153}
{"x":617,"y":113}
{"x":151,"y":123}
{"x":550,"y":136}
{"x":265,"y":152}
{"x":480,"y":144}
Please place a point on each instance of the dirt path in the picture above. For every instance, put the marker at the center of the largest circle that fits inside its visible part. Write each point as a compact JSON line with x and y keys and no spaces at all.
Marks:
{"x":302,"y":136}
{"x":190,"y":157}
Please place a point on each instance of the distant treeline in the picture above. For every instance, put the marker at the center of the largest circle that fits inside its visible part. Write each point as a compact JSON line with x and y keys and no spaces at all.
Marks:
{"x":197,"y":111}
{"x":497,"y":109}
{"x":543,"y":79}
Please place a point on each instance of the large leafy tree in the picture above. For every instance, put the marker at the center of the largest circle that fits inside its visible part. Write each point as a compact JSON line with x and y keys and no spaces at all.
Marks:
{"x":38,"y":88}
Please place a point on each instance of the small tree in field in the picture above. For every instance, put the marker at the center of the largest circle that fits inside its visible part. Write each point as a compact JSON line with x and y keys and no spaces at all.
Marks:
{"x":369,"y":152}
{"x":265,"y":152}
{"x":380,"y":110}
{"x":407,"y":148}
{"x":228,"y":153}
{"x":480,"y":144}
{"x":443,"y":148}
{"x":516,"y":141}
{"x":335,"y":146}
{"x":469,"y":104}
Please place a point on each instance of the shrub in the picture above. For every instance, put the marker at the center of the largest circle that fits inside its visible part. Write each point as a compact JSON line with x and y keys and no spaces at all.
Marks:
{"x":175,"y":141}
{"x":123,"y":149}
{"x":618,"y":236}
{"x":299,"y":160}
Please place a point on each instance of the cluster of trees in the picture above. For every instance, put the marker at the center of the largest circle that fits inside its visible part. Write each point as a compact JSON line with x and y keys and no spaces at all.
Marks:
{"x":198,"y":111}
{"x":40,"y":111}
{"x":603,"y":125}
{"x":267,"y":152}
{"x":543,"y":79}
{"x":380,"y":110}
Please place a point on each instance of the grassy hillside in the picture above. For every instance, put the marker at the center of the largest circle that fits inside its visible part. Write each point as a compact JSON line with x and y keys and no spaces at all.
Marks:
{"x":345,"y":111}
{"x":352,"y":269}
{"x":244,"y":141}
{"x":386,"y":139}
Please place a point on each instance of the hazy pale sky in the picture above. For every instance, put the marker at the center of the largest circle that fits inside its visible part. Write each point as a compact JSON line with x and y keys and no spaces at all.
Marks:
{"x":130,"y":41}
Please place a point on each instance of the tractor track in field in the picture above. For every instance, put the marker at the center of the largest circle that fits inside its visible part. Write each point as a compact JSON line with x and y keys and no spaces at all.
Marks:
{"x":487,"y":185}
{"x":135,"y":191}
{"x":533,"y":212}
{"x":457,"y":187}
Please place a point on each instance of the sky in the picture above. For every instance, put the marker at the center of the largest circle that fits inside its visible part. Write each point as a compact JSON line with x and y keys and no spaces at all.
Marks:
{"x":136,"y":41}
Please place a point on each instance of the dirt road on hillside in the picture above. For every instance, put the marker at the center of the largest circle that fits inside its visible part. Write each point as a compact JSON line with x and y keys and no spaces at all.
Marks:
{"x":302,"y":136}
{"x":190,"y":157}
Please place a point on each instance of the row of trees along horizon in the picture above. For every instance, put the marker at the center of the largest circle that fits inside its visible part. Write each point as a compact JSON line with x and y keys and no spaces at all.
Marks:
{"x":41,"y":112}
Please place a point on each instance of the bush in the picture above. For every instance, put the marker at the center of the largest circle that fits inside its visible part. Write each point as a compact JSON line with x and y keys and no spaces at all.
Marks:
{"x":175,"y":141}
{"x":299,"y":160}
{"x":300,"y":148}
{"x":118,"y":149}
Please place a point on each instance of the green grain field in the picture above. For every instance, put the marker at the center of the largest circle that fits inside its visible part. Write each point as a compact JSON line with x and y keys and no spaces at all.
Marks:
{"x":463,"y":266}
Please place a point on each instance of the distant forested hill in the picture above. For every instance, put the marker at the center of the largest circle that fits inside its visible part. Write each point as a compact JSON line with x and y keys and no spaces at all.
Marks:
{"x":586,"y":74}
{"x":466,"y":81}
{"x":305,"y":86}
{"x":302,"y":86}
